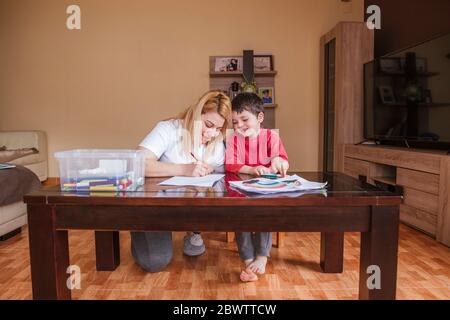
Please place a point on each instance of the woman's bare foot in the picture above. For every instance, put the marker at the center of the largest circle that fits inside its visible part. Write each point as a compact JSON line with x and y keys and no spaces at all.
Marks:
{"x":258,"y":265}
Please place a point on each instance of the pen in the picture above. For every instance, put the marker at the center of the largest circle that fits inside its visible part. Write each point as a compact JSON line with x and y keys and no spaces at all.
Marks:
{"x":194,"y":157}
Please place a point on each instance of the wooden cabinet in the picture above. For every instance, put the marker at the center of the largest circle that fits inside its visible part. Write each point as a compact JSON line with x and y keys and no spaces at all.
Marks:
{"x":424,"y":176}
{"x":356,"y":168}
{"x":343,"y":52}
{"x":421,"y":200}
{"x":427,"y":182}
{"x":419,"y":219}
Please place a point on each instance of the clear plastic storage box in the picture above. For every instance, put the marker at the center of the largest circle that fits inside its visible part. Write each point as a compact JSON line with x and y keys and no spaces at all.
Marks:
{"x":93,"y":170}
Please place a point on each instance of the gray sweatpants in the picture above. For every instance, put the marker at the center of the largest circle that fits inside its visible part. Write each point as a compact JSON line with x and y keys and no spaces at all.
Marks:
{"x":152,"y":250}
{"x":255,"y":244}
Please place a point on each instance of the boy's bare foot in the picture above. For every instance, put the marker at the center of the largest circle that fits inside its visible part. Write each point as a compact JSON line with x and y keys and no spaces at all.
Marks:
{"x":258,"y":265}
{"x":248,"y":275}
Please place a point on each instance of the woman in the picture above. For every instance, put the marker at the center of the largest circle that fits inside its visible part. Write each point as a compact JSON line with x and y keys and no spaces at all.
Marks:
{"x":188,"y":145}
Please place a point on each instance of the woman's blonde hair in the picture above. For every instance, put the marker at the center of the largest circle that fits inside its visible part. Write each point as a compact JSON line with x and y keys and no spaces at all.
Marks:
{"x":211,"y":101}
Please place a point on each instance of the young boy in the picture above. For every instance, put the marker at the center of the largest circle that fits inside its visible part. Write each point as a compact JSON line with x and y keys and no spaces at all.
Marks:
{"x":256,"y":151}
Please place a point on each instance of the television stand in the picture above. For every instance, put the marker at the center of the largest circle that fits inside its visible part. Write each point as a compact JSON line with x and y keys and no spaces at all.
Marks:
{"x":424,"y":176}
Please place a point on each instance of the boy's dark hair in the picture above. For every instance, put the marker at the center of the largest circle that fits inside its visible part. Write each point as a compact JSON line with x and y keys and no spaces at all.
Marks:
{"x":247,"y":101}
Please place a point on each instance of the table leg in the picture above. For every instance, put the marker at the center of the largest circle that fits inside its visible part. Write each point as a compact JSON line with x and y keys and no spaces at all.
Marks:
{"x":378,"y":257}
{"x":230,"y":236}
{"x":279,"y":236}
{"x":331,"y":252}
{"x":49,"y":254}
{"x":107,"y":250}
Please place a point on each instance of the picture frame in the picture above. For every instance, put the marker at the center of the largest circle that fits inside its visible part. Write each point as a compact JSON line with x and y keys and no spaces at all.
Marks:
{"x":421,"y":65}
{"x":390,"y":65}
{"x":267,"y":95}
{"x":262,"y":63}
{"x":426,"y":96}
{"x":386,"y":95}
{"x":228,"y":64}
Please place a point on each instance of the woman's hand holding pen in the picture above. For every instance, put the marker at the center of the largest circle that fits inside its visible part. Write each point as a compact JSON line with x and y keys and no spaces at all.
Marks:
{"x":198,"y":168}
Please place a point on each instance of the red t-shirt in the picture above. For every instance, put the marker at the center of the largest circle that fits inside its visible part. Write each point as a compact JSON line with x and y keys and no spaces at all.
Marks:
{"x":258,"y":151}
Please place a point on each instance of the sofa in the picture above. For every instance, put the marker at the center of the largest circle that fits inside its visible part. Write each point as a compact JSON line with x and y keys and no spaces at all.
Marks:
{"x":28,"y":151}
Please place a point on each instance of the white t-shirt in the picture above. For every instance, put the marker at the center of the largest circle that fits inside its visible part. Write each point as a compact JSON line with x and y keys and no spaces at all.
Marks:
{"x":165,"y":142}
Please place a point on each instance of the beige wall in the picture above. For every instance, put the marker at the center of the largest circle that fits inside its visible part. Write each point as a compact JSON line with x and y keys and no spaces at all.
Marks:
{"x":136,"y":62}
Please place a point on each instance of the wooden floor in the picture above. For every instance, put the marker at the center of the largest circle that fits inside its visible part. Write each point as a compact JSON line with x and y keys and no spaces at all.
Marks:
{"x":292,"y":273}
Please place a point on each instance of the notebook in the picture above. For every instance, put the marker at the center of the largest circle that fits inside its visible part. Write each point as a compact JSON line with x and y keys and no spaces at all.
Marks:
{"x":280,"y":185}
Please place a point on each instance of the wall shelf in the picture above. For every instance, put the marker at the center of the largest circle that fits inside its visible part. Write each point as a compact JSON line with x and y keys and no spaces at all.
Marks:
{"x":221,"y":80}
{"x":239,"y":73}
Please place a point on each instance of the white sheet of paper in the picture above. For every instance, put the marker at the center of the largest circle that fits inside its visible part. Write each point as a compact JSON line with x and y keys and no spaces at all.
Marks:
{"x":206,"y":181}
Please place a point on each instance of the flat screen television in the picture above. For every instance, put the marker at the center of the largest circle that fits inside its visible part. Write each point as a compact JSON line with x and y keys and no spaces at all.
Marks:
{"x":407,"y":96}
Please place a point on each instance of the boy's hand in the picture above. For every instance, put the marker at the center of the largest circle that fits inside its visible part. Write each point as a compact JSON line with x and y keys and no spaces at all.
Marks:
{"x":280,"y":165}
{"x":260,"y":170}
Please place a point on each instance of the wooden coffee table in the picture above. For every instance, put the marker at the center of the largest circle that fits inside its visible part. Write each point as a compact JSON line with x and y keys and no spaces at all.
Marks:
{"x":348,"y":205}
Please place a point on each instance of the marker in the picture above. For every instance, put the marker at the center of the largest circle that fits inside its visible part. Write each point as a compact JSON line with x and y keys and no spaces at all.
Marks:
{"x":270,"y":176}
